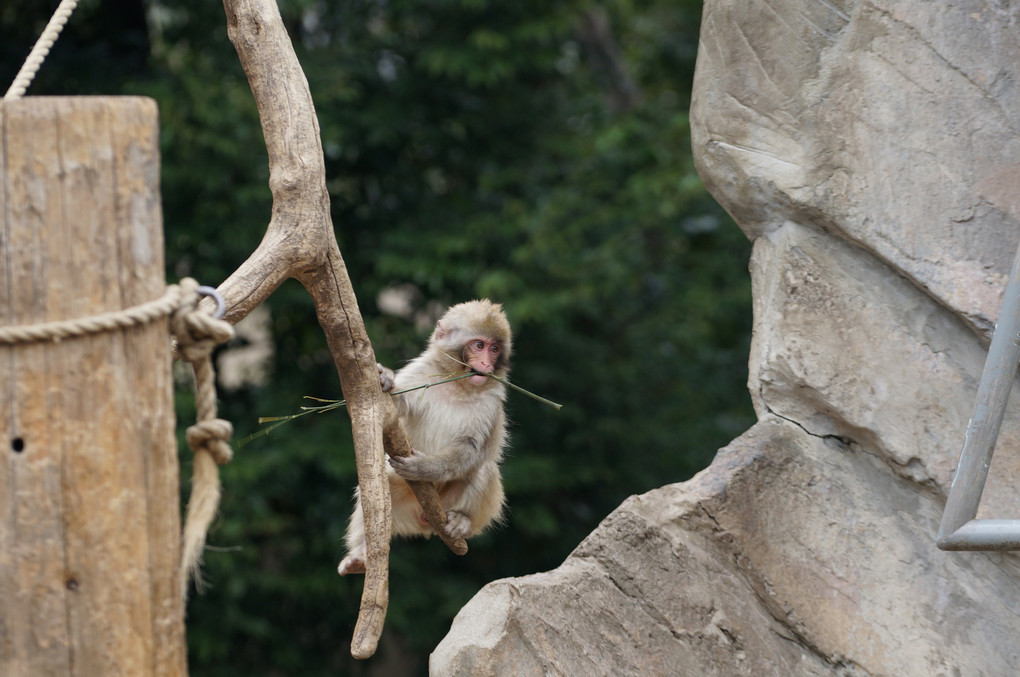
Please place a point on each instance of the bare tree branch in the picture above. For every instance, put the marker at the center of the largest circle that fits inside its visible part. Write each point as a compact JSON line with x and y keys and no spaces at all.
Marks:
{"x":299,"y":243}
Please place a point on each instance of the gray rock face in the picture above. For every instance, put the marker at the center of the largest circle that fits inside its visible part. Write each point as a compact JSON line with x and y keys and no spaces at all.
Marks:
{"x":871,"y":151}
{"x":892,"y":124}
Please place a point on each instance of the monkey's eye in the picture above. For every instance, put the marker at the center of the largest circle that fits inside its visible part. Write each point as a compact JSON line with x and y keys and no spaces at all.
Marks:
{"x":495,"y":348}
{"x":479,"y":345}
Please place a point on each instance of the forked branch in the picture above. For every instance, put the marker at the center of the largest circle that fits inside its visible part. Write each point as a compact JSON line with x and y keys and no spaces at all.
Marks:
{"x":299,"y":243}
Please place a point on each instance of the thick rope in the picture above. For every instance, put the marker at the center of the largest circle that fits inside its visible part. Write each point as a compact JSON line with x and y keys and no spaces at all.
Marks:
{"x":197,"y":334}
{"x":120,"y":319}
{"x":41,"y":49}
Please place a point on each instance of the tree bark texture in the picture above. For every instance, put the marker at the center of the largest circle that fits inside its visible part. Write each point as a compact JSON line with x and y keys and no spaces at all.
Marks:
{"x":89,"y":489}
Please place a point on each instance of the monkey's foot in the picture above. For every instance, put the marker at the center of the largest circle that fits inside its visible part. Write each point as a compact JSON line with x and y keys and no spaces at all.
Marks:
{"x":458,"y":525}
{"x":352,"y":564}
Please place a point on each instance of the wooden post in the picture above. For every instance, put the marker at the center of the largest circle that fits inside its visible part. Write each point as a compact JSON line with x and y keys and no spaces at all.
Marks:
{"x":89,"y":507}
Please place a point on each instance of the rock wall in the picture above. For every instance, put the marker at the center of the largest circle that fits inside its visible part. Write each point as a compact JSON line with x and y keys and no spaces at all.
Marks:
{"x":871,"y":152}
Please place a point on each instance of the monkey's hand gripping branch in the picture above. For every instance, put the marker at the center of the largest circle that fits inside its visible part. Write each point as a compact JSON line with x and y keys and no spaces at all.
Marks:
{"x":396,"y":444}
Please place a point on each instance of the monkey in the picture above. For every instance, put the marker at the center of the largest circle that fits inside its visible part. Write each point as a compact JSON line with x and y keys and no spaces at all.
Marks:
{"x":457,"y":430}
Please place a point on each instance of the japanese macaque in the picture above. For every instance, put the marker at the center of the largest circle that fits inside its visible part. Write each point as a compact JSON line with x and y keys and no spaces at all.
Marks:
{"x":457,"y":430}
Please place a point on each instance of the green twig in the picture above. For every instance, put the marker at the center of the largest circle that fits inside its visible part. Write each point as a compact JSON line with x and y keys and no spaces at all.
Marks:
{"x":505,"y":382}
{"x":330,"y":405}
{"x":519,"y":389}
{"x":277,"y":421}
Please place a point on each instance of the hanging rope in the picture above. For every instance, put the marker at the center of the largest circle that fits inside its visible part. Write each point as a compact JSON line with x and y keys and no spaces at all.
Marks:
{"x":41,"y":49}
{"x":195,"y":334}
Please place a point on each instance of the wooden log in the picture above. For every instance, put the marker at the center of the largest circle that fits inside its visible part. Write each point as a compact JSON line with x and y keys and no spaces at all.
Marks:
{"x":89,"y":507}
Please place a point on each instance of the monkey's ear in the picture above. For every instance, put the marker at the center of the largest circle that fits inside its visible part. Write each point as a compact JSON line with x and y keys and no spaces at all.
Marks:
{"x":441,"y":331}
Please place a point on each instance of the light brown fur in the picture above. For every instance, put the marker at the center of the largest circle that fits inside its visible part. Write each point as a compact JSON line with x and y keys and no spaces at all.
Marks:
{"x":457,"y":431}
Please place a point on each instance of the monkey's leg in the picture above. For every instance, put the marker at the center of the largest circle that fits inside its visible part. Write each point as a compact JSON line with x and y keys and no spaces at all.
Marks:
{"x":354,"y":561}
{"x":406,"y":520}
{"x":406,"y":514}
{"x":478,"y":505}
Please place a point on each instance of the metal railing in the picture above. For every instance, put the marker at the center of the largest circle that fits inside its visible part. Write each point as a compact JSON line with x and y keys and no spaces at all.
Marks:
{"x":960,"y":528}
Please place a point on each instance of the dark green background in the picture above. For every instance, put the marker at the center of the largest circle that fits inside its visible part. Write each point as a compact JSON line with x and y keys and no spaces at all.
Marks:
{"x":536,"y":152}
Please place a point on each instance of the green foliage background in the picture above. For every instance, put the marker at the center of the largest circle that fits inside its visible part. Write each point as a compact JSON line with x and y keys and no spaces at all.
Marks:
{"x":534,"y":152}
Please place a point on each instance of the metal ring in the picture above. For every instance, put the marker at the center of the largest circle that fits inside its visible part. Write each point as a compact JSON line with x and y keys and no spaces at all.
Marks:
{"x":221,"y":305}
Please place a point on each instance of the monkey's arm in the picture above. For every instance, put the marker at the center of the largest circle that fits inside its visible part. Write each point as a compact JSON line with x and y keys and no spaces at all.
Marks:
{"x":467,"y":452}
{"x":462,"y":457}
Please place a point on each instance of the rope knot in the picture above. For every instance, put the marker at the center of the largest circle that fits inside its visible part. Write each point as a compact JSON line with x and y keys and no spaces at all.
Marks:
{"x":212,"y":437}
{"x":197,"y":332}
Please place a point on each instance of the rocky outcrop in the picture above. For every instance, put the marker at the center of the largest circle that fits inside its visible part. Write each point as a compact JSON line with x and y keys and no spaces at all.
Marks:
{"x":871,"y":152}
{"x":793,"y":554}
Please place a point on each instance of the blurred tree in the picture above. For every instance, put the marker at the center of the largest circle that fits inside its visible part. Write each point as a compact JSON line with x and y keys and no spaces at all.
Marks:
{"x":534,"y":152}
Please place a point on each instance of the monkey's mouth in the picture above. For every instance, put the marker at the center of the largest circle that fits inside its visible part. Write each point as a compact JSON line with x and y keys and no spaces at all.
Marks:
{"x":478,"y":378}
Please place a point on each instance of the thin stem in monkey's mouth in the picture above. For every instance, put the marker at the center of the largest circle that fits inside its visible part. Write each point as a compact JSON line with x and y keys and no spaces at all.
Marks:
{"x":329,"y":405}
{"x":478,"y":377}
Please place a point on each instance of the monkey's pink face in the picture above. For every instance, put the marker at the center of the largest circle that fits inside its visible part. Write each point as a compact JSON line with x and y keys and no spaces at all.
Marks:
{"x":481,"y":355}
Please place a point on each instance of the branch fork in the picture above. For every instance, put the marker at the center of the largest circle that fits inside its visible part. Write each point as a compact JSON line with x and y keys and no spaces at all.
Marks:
{"x":299,"y":243}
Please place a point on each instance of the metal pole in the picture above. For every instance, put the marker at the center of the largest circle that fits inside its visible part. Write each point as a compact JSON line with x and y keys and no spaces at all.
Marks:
{"x":982,"y":433}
